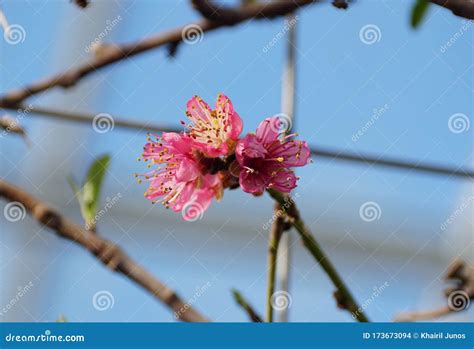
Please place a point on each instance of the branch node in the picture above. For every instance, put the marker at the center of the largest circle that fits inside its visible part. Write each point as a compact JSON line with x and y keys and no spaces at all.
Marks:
{"x":47,"y":216}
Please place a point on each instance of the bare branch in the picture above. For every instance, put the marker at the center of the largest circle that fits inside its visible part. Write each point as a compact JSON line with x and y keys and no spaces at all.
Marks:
{"x":107,"y":252}
{"x":278,"y":228}
{"x":233,"y":15}
{"x":340,"y":4}
{"x":82,"y":3}
{"x":246,"y":306}
{"x":88,"y":118}
{"x":343,"y":295}
{"x":458,"y":296}
{"x":11,"y":125}
{"x":462,"y":8}
{"x":316,"y":151}
{"x":115,"y":53}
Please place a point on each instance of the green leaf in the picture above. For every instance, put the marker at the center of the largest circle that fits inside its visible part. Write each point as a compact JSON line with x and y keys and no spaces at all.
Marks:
{"x":78,"y":193}
{"x":418,"y":12}
{"x":92,"y":186}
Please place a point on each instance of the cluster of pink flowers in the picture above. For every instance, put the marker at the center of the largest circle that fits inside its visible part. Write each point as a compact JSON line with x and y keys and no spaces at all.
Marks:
{"x":183,"y":173}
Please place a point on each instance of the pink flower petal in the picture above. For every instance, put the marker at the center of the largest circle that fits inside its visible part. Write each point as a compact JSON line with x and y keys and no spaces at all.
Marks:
{"x":293,"y":153}
{"x":187,"y":170}
{"x":268,"y":130}
{"x":249,"y":147}
{"x":197,"y":110}
{"x":252,"y":182}
{"x":214,"y":132}
{"x":225,"y":109}
{"x":181,"y":143}
{"x":284,"y":181}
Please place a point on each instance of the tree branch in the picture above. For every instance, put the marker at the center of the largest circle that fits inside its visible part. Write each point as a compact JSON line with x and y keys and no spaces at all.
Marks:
{"x":277,"y":230}
{"x":343,"y":296}
{"x":458,"y":296}
{"x":246,"y":306}
{"x":462,"y":8}
{"x":316,"y":151}
{"x":115,"y":53}
{"x":233,"y":15}
{"x":107,"y":252}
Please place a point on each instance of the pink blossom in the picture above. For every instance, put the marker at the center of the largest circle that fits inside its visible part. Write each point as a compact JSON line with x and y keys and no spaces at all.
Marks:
{"x":181,"y":180}
{"x":214,"y":132}
{"x":265,"y":159}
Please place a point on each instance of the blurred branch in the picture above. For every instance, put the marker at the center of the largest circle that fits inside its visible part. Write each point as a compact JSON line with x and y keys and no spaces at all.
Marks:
{"x":340,"y":4}
{"x":107,"y":252}
{"x":82,"y":3}
{"x":458,"y":296}
{"x":462,"y":8}
{"x":316,"y":151}
{"x":232,"y":15}
{"x":278,"y":228}
{"x":246,"y":306}
{"x":11,"y":125}
{"x":393,"y":163}
{"x":88,"y":118}
{"x":343,"y":296}
{"x":116,"y":53}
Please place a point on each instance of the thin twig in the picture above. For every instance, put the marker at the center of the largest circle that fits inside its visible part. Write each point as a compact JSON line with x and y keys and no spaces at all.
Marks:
{"x":316,"y":151}
{"x":462,"y":8}
{"x":116,"y":53}
{"x":344,"y":297}
{"x":458,"y":295}
{"x":88,"y":118}
{"x":233,"y":15}
{"x":392,"y":163}
{"x":278,"y":227}
{"x":107,"y":252}
{"x":246,"y":306}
